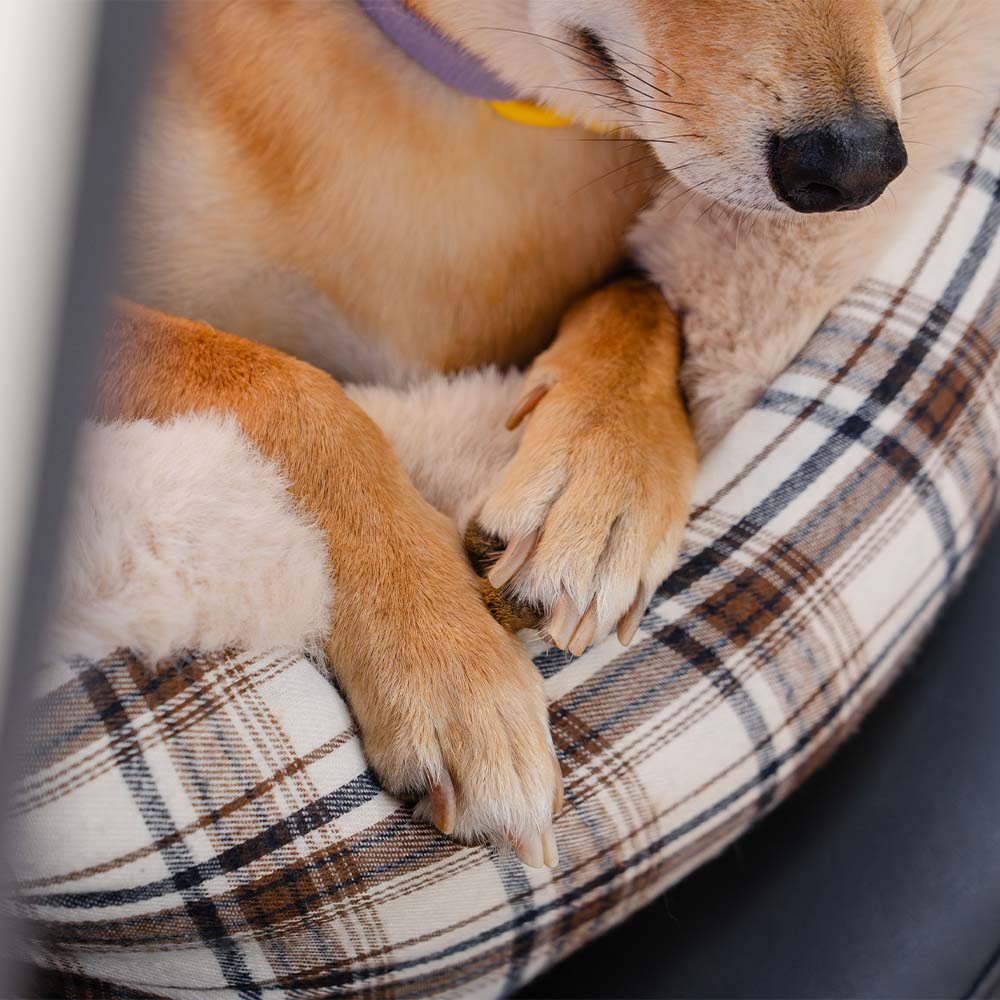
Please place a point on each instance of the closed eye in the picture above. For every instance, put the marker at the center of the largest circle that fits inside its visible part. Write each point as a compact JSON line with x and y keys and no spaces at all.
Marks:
{"x":591,"y":43}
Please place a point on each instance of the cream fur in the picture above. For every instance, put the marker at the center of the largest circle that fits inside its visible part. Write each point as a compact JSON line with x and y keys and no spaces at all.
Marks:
{"x":753,"y":289}
{"x":448,"y":433}
{"x":182,"y":537}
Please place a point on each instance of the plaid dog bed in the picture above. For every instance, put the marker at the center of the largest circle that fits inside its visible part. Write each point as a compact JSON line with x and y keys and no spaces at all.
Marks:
{"x":214,"y":830}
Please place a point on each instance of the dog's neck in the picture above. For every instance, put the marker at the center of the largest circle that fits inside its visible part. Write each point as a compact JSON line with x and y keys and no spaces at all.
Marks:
{"x":444,"y":54}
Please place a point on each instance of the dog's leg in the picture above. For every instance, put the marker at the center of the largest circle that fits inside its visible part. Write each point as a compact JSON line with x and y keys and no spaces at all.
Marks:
{"x":591,"y":507}
{"x":448,"y":703}
{"x":449,"y":435}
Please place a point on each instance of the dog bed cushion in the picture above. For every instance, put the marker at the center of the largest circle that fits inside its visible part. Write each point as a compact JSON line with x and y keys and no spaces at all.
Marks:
{"x":213,"y":829}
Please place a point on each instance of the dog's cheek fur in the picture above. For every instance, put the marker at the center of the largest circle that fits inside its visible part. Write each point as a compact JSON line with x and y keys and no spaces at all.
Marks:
{"x":182,"y":536}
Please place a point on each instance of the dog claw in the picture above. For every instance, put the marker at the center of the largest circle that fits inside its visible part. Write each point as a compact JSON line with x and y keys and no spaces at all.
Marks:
{"x":442,"y":793}
{"x":559,"y":797}
{"x":628,"y":625}
{"x":565,"y":618}
{"x":581,"y":638}
{"x":513,"y":558}
{"x":550,"y":852}
{"x":525,"y":405}
{"x":531,"y":851}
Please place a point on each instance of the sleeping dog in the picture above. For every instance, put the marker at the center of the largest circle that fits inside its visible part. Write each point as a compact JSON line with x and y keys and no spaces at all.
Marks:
{"x":375,"y":191}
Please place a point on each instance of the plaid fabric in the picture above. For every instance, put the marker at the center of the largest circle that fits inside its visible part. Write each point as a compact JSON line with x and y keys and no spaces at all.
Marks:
{"x":215,"y":831}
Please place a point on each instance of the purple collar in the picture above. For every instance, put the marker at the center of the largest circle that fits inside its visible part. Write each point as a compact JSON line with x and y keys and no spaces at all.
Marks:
{"x":439,"y":55}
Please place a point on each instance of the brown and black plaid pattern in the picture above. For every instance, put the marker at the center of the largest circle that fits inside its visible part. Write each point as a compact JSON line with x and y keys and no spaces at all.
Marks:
{"x":215,"y":831}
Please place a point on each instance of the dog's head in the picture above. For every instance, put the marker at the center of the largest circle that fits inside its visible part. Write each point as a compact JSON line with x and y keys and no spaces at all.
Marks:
{"x":763,"y":104}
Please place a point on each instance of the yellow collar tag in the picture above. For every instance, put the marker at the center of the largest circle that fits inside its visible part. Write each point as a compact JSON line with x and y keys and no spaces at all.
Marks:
{"x":527,"y":113}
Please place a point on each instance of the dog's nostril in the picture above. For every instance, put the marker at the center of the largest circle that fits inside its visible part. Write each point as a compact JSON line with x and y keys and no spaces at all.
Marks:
{"x":821,"y":191}
{"x":840,"y":166}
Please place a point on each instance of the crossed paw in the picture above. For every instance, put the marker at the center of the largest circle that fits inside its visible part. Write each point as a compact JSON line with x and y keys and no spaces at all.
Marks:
{"x":583,"y":526}
{"x":590,"y":510}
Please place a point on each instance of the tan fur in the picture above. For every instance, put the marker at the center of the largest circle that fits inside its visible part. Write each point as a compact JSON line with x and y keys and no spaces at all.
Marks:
{"x":304,"y":184}
{"x":292,"y":152}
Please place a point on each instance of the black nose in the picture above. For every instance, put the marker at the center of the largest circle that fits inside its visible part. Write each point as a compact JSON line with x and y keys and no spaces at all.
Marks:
{"x":837,"y":167}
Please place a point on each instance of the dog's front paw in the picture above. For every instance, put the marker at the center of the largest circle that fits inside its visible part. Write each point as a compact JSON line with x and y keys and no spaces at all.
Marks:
{"x":449,"y":705}
{"x":590,"y":511}
{"x":467,"y":731}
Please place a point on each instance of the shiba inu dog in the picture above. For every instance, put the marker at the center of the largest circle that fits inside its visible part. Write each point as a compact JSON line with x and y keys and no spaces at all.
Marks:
{"x":375,"y":191}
